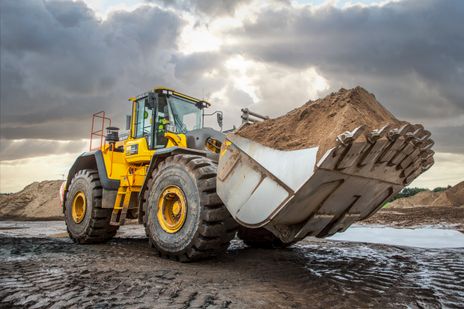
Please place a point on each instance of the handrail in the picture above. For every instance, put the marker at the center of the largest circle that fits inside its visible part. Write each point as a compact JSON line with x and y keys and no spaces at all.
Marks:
{"x":98,"y":133}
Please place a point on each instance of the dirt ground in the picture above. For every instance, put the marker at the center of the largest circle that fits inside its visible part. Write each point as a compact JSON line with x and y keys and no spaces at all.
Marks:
{"x":54,"y":272}
{"x":42,"y":268}
{"x":420,"y":216}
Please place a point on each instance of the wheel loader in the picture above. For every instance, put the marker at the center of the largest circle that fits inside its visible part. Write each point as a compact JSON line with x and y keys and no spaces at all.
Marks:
{"x":194,"y":188}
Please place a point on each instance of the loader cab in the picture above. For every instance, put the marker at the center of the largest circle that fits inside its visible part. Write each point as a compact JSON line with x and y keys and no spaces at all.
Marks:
{"x":164,"y":112}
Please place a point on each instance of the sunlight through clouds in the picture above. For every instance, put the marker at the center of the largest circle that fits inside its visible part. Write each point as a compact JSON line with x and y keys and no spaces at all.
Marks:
{"x":241,"y":71}
{"x":270,"y":85}
{"x":197,"y":38}
{"x":16,"y":174}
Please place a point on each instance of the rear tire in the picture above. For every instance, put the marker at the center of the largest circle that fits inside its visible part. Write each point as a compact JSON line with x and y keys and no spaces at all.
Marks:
{"x":207,"y":227}
{"x":261,"y":238}
{"x":88,"y":222}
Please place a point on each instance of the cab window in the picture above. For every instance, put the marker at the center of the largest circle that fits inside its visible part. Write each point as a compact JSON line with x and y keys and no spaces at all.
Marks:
{"x":162,"y":122}
{"x":144,"y":120}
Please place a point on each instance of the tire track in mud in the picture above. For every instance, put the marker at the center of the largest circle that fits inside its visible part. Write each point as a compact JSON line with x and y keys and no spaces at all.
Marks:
{"x":445,"y":277}
{"x":42,"y":273}
{"x":61,"y":274}
{"x":389,"y":276}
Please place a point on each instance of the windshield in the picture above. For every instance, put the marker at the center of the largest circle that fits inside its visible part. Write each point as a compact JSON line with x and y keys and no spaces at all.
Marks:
{"x":187,"y":116}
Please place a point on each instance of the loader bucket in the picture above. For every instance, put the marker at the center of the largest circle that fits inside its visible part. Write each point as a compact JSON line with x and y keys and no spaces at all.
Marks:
{"x":293,"y":195}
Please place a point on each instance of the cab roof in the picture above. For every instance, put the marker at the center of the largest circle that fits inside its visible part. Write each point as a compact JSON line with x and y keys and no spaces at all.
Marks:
{"x":166,"y":90}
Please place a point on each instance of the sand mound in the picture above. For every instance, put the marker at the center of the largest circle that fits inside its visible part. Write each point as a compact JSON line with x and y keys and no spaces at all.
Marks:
{"x":39,"y":200}
{"x":453,"y":196}
{"x":318,"y":123}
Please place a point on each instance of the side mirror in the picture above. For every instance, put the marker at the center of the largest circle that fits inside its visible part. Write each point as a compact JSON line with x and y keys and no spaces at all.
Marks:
{"x":219,"y":118}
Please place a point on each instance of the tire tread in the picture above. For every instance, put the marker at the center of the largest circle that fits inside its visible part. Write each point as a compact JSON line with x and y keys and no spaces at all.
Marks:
{"x":216,"y":228}
{"x":99,"y":229}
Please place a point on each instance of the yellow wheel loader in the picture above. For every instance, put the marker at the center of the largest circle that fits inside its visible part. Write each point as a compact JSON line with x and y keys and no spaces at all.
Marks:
{"x":194,"y":187}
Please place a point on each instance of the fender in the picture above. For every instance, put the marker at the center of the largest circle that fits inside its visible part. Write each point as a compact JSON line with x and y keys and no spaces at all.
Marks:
{"x":93,"y":160}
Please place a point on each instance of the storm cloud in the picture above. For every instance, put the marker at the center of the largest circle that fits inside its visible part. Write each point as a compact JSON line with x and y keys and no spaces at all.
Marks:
{"x":60,"y":62}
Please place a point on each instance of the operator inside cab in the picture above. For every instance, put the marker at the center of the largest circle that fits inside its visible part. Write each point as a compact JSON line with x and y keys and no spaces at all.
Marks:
{"x":162,"y":122}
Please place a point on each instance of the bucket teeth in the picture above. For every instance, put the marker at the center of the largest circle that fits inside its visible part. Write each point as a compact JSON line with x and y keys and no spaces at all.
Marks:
{"x":417,"y":134}
{"x":348,"y":137}
{"x":412,"y":176}
{"x":395,"y":133}
{"x":374,"y":135}
{"x":426,"y":134}
{"x":373,"y":152}
{"x":406,"y":128}
{"x":399,"y":147}
{"x":349,"y":157}
{"x":407,"y":149}
{"x":409,"y":159}
{"x":419,"y":126}
{"x":411,"y":168}
{"x":427,"y":154}
{"x":428,"y":144}
{"x":427,"y":164}
{"x":418,"y":142}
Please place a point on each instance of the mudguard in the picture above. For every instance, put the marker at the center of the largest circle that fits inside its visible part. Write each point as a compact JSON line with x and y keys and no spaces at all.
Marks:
{"x":93,"y":160}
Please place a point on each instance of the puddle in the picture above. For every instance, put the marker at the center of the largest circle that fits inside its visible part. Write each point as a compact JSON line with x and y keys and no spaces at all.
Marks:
{"x":418,"y":237}
{"x":432,"y":238}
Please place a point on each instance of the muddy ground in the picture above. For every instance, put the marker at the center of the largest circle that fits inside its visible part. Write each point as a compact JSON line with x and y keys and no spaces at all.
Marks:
{"x":40,"y":268}
{"x":50,"y":271}
{"x":450,"y":217}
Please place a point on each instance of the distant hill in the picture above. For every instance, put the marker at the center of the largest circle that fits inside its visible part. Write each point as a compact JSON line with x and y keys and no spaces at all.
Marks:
{"x":39,"y":200}
{"x":453,"y":196}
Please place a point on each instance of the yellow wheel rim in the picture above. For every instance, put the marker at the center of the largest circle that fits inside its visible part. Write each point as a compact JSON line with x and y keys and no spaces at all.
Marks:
{"x":79,"y":206}
{"x":172,"y":209}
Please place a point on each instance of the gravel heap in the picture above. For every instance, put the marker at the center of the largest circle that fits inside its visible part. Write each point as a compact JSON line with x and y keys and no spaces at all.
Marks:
{"x":453,"y":196}
{"x":39,"y":200}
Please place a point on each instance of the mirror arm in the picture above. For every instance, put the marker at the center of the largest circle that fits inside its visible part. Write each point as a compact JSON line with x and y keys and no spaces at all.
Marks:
{"x":220,"y":117}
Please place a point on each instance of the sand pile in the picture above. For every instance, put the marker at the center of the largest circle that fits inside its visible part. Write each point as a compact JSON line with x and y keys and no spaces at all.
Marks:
{"x":318,"y":123}
{"x":453,"y":196}
{"x":39,"y":200}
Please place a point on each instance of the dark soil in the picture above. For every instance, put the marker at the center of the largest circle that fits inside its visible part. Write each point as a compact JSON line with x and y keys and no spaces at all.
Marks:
{"x":125,"y":273}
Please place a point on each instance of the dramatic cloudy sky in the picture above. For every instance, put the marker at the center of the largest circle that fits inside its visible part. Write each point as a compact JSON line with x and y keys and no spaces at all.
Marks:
{"x":63,"y":60}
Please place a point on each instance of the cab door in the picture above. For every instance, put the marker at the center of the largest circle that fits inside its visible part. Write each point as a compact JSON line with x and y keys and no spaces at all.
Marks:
{"x":162,"y":121}
{"x":139,"y":147}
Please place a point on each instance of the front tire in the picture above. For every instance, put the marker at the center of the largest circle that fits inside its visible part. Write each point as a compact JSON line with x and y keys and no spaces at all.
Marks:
{"x":184,"y":218}
{"x":86,"y":220}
